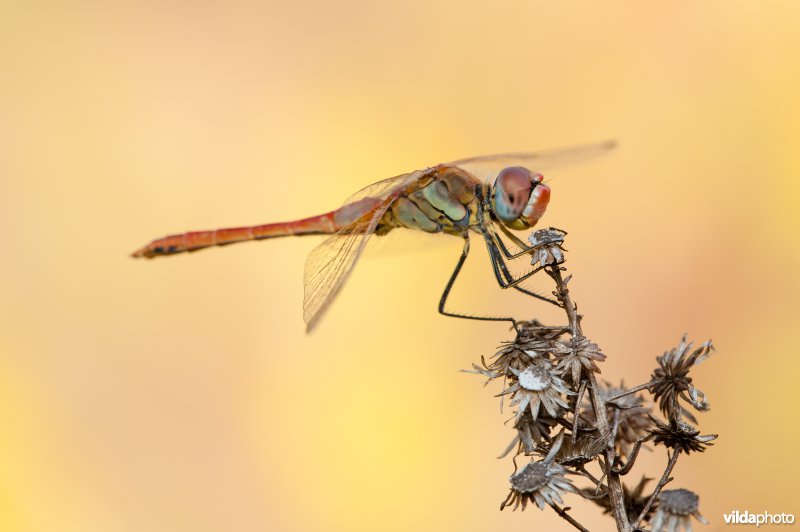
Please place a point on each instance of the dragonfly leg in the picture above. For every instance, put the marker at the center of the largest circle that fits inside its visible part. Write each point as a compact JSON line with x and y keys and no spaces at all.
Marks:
{"x":502,"y":274}
{"x":500,"y":243}
{"x":519,"y":243}
{"x":451,"y":282}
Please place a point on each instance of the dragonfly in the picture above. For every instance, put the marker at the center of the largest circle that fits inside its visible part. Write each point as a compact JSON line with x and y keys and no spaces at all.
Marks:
{"x":446,"y":198}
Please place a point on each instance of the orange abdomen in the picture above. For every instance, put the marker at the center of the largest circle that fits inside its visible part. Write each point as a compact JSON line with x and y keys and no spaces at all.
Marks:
{"x":327,"y":223}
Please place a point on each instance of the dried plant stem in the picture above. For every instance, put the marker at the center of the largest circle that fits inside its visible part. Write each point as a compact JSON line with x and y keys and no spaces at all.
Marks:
{"x":562,"y":293}
{"x":578,"y":401}
{"x":614,"y":483}
{"x":615,"y":492}
{"x":624,"y":470}
{"x":552,"y":328}
{"x":665,"y":478}
{"x":563,"y":513}
{"x":629,"y":391}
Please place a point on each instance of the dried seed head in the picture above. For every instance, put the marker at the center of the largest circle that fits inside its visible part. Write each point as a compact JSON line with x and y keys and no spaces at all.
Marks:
{"x":534,"y":378}
{"x":530,"y":432}
{"x":535,"y":385}
{"x":526,"y":349}
{"x":585,"y":449}
{"x":532,"y":477}
{"x":628,"y":414}
{"x":538,"y":482}
{"x":547,"y":246}
{"x":680,"y":436}
{"x":676,"y":507}
{"x":679,"y":502}
{"x":575,"y":356}
{"x":516,"y":355}
{"x":536,"y":330}
{"x":671,"y":381}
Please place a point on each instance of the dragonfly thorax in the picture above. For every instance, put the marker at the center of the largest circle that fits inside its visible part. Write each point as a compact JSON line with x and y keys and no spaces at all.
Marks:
{"x":518,"y":197}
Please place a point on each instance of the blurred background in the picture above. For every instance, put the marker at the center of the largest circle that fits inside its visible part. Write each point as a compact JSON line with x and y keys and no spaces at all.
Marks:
{"x":183,"y":394}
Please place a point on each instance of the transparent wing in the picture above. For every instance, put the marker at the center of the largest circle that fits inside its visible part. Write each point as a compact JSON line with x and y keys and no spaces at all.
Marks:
{"x":541,"y":159}
{"x":329,"y":265}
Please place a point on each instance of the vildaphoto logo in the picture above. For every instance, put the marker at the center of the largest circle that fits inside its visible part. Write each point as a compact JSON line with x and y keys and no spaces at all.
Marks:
{"x":764,"y":518}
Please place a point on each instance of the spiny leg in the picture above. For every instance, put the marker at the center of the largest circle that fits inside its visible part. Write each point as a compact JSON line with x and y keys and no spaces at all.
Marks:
{"x":519,"y":243}
{"x":506,"y":280}
{"x":451,"y":282}
{"x":501,"y":244}
{"x":504,"y":277}
{"x":498,"y":265}
{"x":525,"y":248}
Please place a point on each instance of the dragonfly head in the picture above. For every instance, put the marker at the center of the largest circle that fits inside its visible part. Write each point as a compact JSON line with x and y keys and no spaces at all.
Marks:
{"x":519,"y":198}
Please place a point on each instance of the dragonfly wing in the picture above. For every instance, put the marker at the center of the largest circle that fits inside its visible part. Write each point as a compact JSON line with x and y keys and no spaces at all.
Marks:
{"x":329,"y":265}
{"x":383,"y":189}
{"x":542,"y":159}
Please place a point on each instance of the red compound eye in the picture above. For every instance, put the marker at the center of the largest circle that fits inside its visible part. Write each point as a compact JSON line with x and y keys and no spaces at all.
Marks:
{"x":512,"y":190}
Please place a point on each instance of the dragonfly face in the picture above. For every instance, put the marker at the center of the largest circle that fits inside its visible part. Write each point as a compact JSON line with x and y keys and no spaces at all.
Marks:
{"x":519,"y":198}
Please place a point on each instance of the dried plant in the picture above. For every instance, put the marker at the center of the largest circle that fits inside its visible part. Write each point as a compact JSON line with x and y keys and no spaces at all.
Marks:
{"x":573,"y":428}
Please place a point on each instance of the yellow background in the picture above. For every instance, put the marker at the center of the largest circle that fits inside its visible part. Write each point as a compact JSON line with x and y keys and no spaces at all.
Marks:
{"x":183,"y":394}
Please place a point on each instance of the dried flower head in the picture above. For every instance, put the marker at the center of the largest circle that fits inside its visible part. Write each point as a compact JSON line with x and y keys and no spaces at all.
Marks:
{"x":547,"y":246}
{"x":675,"y":509}
{"x":530,"y":432}
{"x":535,"y":329}
{"x":539,"y":482}
{"x":583,"y":450}
{"x":518,"y":355}
{"x":628,"y":414}
{"x":635,"y":501}
{"x":671,"y":381}
{"x":537,"y":385}
{"x":573,"y":356}
{"x":680,"y":436}
{"x":526,"y":349}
